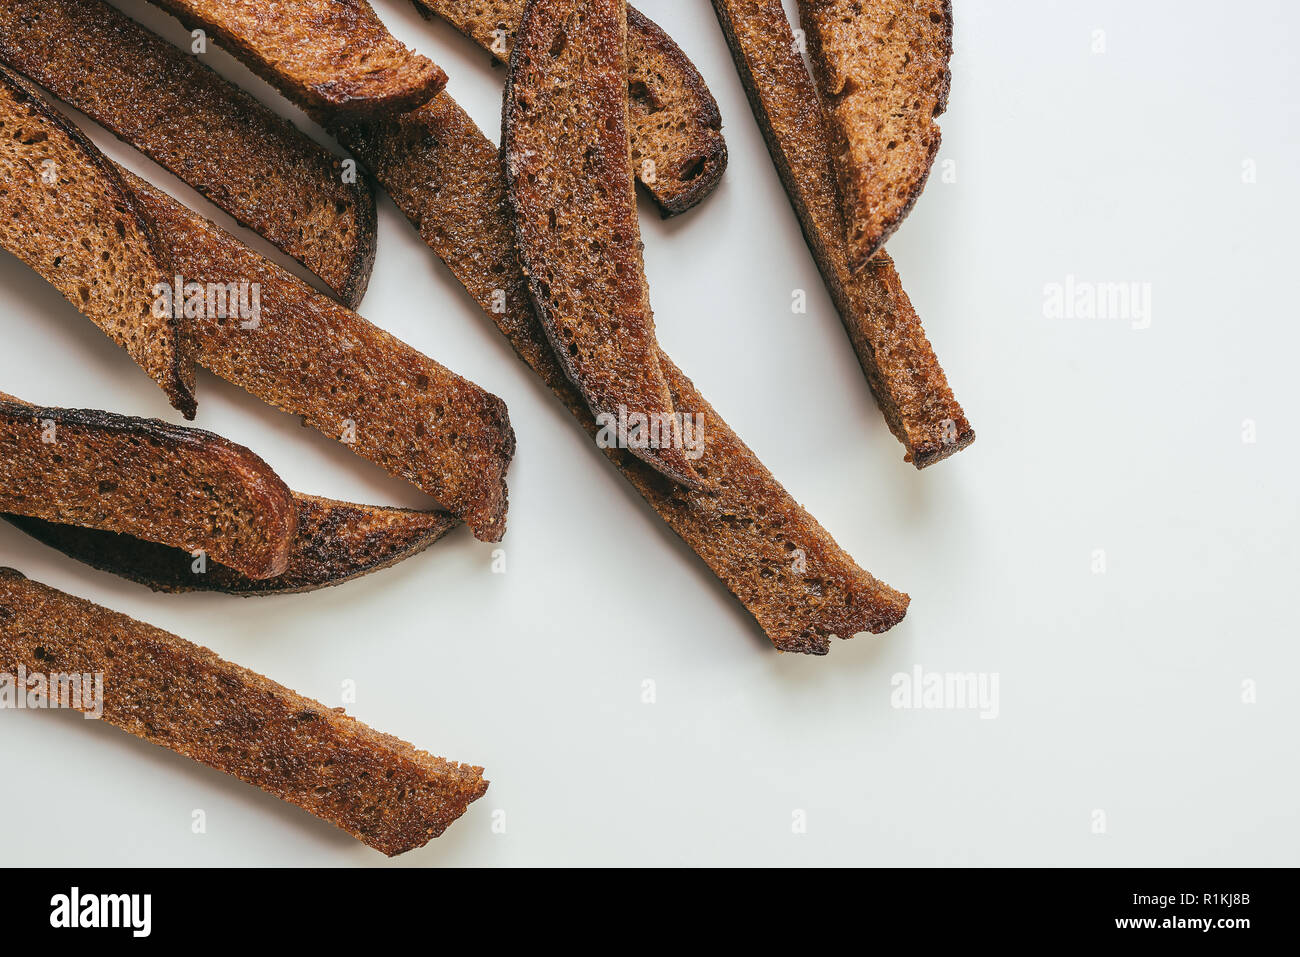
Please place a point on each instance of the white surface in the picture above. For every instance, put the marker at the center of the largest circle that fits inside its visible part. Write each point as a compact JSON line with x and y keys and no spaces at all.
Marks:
{"x":1119,"y":692}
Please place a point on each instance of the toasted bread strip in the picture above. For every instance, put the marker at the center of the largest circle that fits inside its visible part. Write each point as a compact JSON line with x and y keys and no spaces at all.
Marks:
{"x":65,"y":212}
{"x":165,"y":103}
{"x":678,"y":152}
{"x":770,"y":553}
{"x":144,"y":477}
{"x":156,"y":686}
{"x":569,"y":183}
{"x":347,"y":378}
{"x":882,"y":70}
{"x":330,"y":56}
{"x":896,"y":357}
{"x":336,"y":543}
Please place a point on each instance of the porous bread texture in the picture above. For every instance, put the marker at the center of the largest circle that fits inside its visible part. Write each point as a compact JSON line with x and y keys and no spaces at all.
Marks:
{"x":569,"y":184}
{"x":380,"y":789}
{"x":330,"y":56}
{"x":177,"y":486}
{"x":346,"y":377}
{"x":209,"y":133}
{"x":65,"y":212}
{"x":899,"y":363}
{"x":882,"y":71}
{"x":337,"y":542}
{"x":767,"y":550}
{"x":678,"y":151}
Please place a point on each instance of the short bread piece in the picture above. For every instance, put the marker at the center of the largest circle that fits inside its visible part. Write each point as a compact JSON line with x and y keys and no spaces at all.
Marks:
{"x":66,"y":213}
{"x":678,"y":153}
{"x":332,"y":56}
{"x":882,"y":70}
{"x":156,"y":686}
{"x":207,"y":132}
{"x":336,"y":543}
{"x":177,"y":486}
{"x":347,"y":378}
{"x":569,"y":182}
{"x":899,"y":363}
{"x":744,"y":525}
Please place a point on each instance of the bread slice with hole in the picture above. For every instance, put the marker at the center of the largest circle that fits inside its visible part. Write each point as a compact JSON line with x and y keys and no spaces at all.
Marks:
{"x":899,"y":363}
{"x":66,"y":213}
{"x":882,"y":71}
{"x":329,"y":56}
{"x":167,"y":104}
{"x":801,"y":586}
{"x":159,"y":687}
{"x":346,"y":377}
{"x":164,"y":483}
{"x":678,"y":151}
{"x":337,"y":542}
{"x":569,"y":182}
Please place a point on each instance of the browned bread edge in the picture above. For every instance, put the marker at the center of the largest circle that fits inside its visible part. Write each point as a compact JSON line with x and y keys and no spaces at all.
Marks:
{"x":337,"y":542}
{"x":896,"y":357}
{"x":177,"y":381}
{"x":465,"y":223}
{"x":266,"y":174}
{"x":415,"y":80}
{"x":189,"y":461}
{"x":683,"y":176}
{"x":380,"y":789}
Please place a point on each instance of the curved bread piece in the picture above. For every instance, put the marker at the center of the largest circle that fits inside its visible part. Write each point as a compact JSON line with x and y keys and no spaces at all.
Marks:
{"x":163,"y":483}
{"x":896,"y":357}
{"x":743,"y":524}
{"x":347,"y":378}
{"x":882,"y":70}
{"x":327,"y":55}
{"x":66,"y":213}
{"x":336,"y":543}
{"x":380,"y":789}
{"x":678,"y":153}
{"x":569,"y":182}
{"x":165,"y":103}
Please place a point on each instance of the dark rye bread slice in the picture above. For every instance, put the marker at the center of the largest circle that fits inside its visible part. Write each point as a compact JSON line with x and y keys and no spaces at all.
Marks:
{"x":65,"y":212}
{"x":177,"y":486}
{"x":899,"y":363}
{"x":329,"y":56}
{"x":882,"y":70}
{"x":446,"y":176}
{"x":336,"y":543}
{"x":569,"y":183}
{"x":164,"y":102}
{"x":678,"y":152}
{"x":380,"y":789}
{"x":347,"y":378}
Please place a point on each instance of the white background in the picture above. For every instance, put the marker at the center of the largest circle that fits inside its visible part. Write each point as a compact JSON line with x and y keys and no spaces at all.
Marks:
{"x":1120,"y":692}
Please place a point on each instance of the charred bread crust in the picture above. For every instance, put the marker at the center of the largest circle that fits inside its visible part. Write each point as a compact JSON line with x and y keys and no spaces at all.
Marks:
{"x":311,"y":357}
{"x":337,"y":542}
{"x":280,"y":40}
{"x":181,"y":696}
{"x":569,"y":184}
{"x":166,"y":352}
{"x":675,"y":121}
{"x":166,"y":483}
{"x":900,"y":365}
{"x":466,"y":224}
{"x":879,"y":107}
{"x":167,"y":104}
